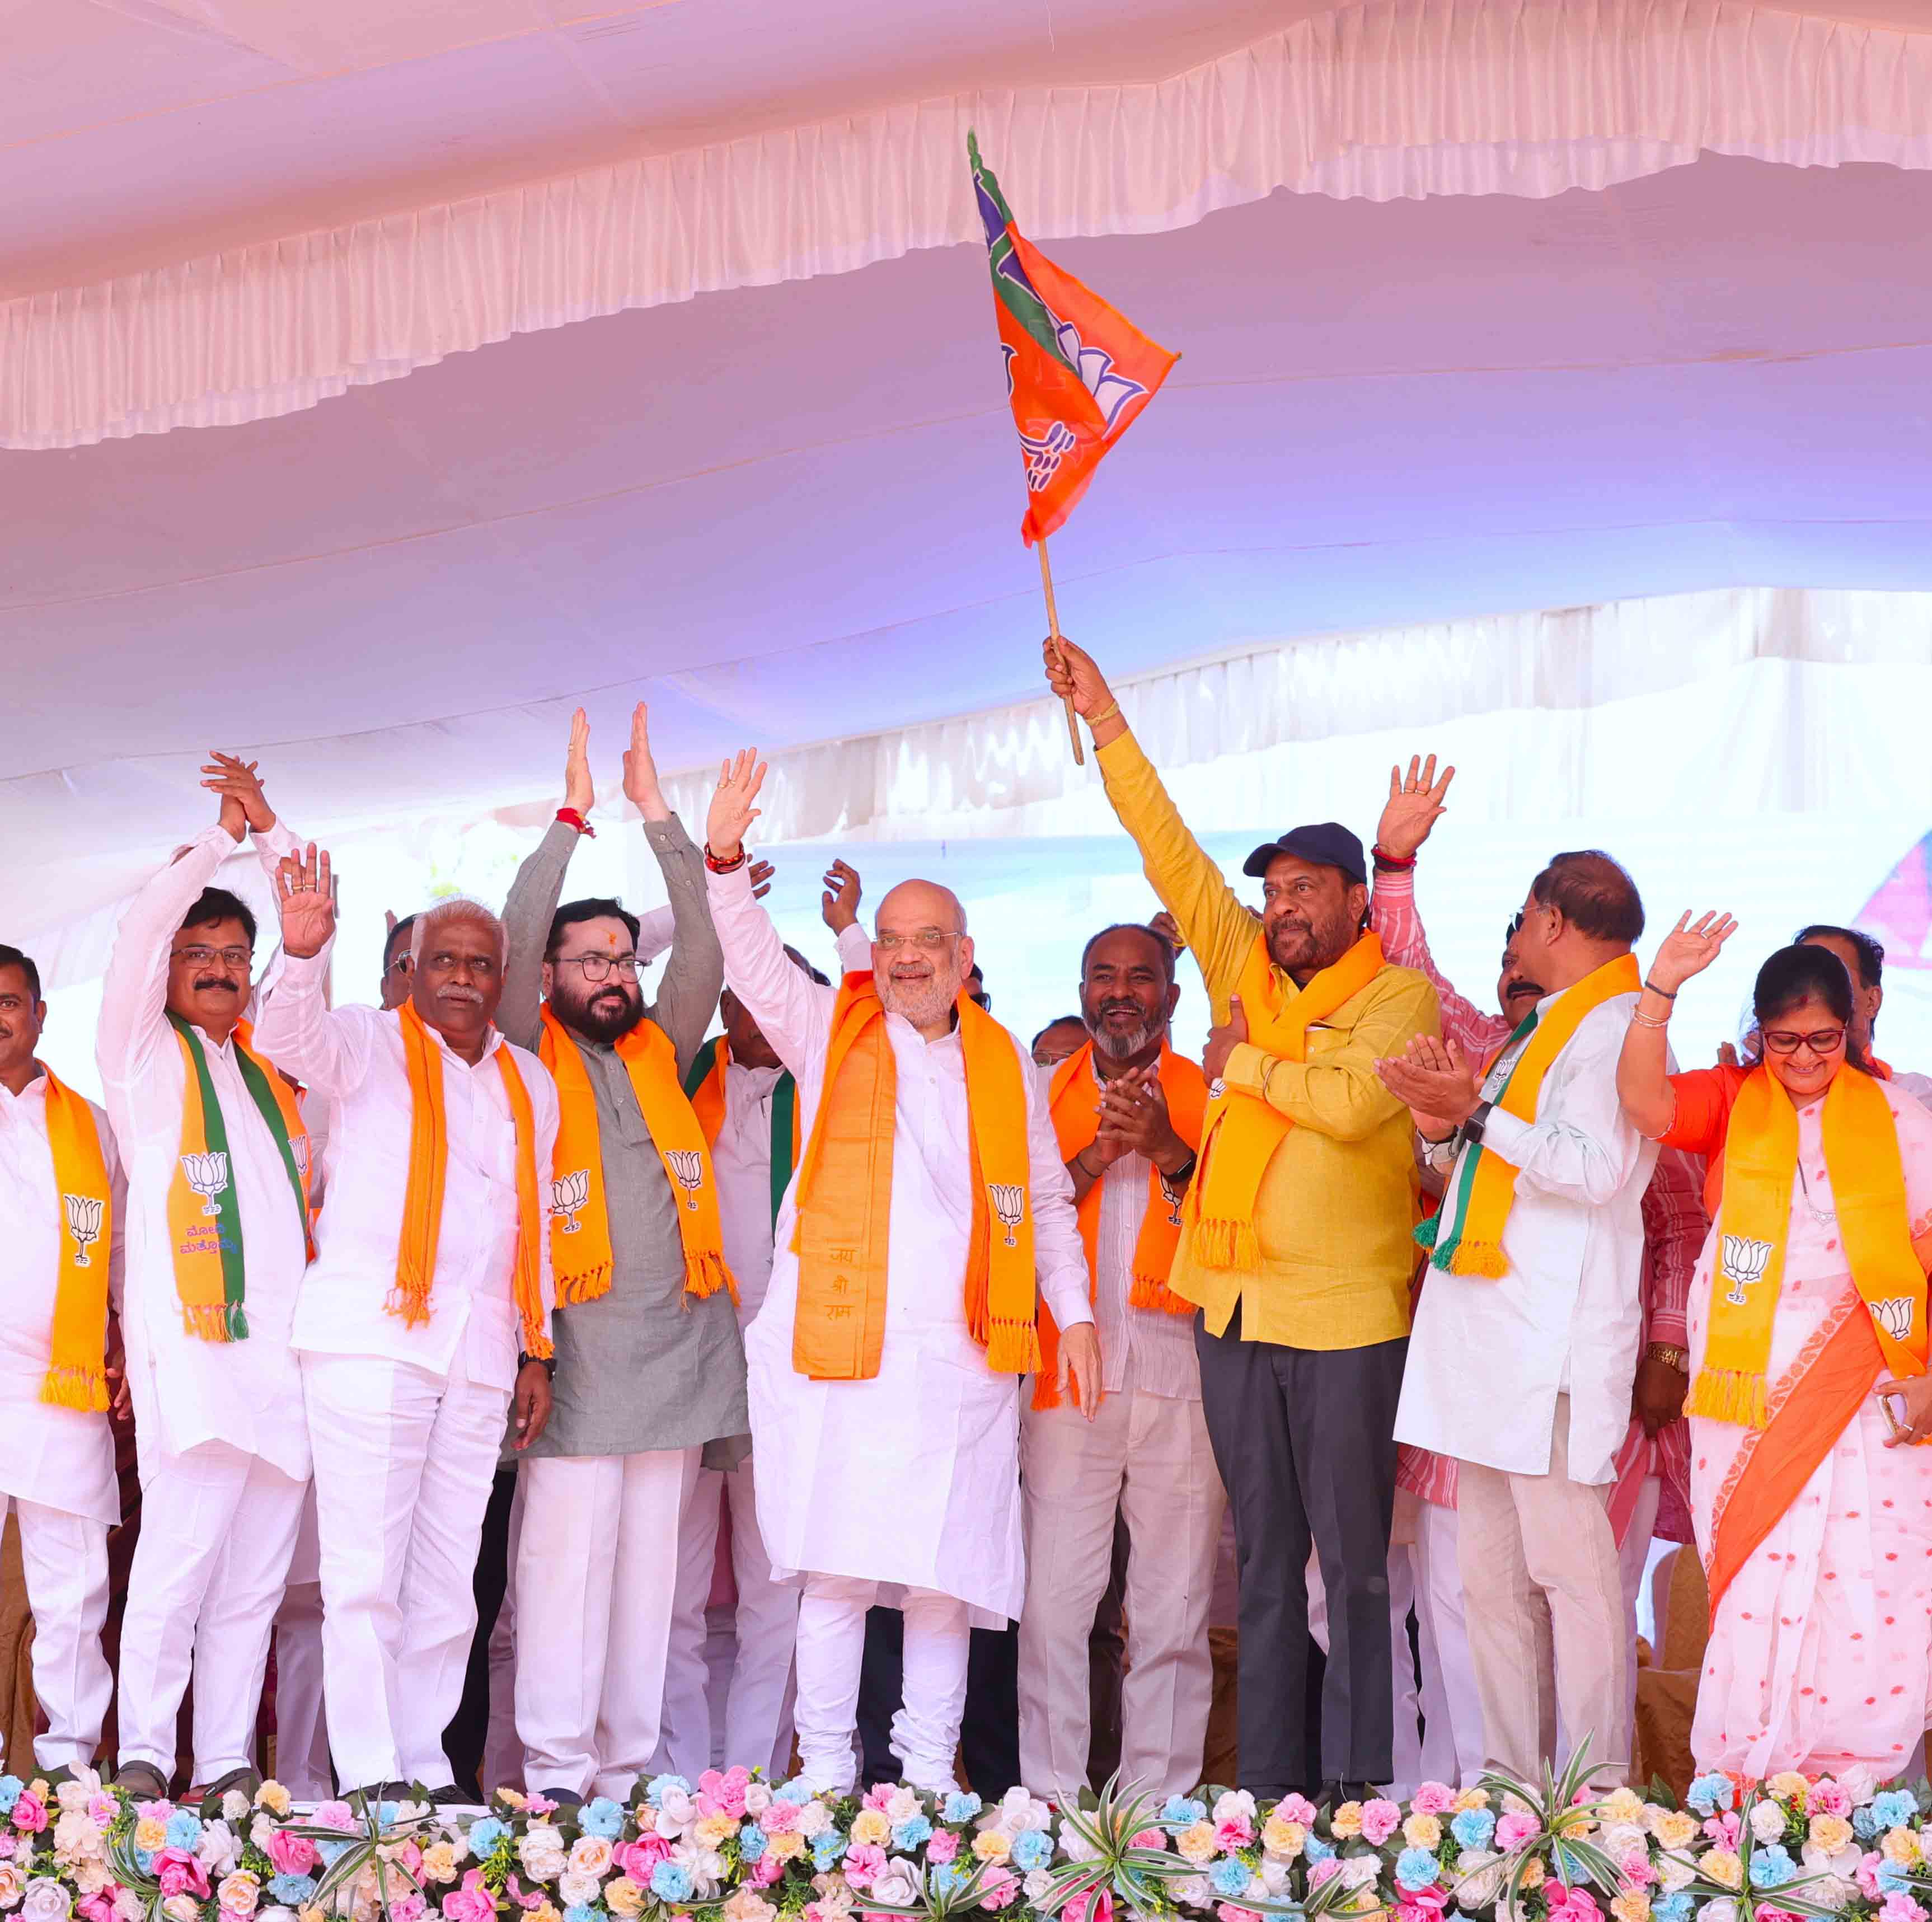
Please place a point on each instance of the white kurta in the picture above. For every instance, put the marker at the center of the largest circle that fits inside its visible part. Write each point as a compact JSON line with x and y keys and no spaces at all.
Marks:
{"x":352,"y":1058}
{"x":186,"y":1391}
{"x":1488,"y":1357}
{"x":61,"y":1457}
{"x":912,"y":1478}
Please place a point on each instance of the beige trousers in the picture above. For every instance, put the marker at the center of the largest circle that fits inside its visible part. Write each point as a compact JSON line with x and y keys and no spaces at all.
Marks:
{"x":1146,"y":1456}
{"x":1544,"y":1606}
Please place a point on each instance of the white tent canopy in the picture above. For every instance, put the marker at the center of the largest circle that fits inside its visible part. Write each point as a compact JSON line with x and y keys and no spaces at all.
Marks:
{"x":1564,"y":305}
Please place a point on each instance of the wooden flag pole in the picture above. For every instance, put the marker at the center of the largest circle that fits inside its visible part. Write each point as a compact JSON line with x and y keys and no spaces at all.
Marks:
{"x":1053,"y":629}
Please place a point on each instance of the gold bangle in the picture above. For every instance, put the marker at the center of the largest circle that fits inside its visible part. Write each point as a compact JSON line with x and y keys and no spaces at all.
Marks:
{"x":1639,"y":1019}
{"x":1667,"y":1353}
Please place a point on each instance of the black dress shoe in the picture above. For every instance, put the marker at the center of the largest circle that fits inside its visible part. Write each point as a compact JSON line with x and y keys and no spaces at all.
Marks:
{"x":568,"y":1800}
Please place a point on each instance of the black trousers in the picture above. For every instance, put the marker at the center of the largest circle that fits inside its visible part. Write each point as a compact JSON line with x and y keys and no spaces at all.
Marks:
{"x":1305,"y":1441}
{"x":989,"y":1733}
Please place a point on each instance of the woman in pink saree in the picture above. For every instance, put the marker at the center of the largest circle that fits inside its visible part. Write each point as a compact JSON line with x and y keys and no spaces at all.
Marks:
{"x":1808,"y":1346}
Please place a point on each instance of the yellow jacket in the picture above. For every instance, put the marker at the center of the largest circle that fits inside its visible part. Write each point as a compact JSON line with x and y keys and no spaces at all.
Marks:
{"x":1337,"y":1203}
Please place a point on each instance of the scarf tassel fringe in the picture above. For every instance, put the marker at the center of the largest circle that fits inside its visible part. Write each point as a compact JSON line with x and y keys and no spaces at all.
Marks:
{"x":1486,"y":1258}
{"x":1154,"y":1295}
{"x":705,"y":1273}
{"x":1728,"y":1394}
{"x":1013,"y":1347}
{"x":410,"y":1301}
{"x":1226,"y":1244}
{"x":586,"y":1284}
{"x":214,"y":1322}
{"x":70,"y":1387}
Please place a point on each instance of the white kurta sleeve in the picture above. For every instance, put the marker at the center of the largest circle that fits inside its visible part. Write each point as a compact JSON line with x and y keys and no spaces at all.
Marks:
{"x":656,"y":927}
{"x":326,"y":1049}
{"x":1059,"y":1257}
{"x":793,"y":1013}
{"x":855,"y":950}
{"x":544,"y":1106}
{"x":134,"y":994}
{"x":1581,"y":1145}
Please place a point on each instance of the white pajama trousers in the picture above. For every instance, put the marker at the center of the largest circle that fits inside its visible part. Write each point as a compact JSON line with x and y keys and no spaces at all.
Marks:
{"x":404,"y":1459}
{"x":596,"y":1575}
{"x":757,"y":1717}
{"x":831,"y":1649}
{"x":217,"y":1531}
{"x":1438,"y":1596}
{"x":65,"y":1558}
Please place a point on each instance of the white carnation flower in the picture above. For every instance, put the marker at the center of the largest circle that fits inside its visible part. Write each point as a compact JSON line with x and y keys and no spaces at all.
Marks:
{"x":1767,"y":1820}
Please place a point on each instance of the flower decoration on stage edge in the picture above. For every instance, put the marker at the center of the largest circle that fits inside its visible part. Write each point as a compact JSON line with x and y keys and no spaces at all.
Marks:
{"x":734,"y":1848}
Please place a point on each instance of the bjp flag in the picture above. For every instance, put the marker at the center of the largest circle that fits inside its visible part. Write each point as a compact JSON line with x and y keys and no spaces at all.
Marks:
{"x":1078,"y":373}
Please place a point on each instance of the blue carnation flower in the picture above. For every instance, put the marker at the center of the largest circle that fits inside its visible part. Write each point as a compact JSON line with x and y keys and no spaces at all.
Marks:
{"x":583,"y":1911}
{"x":1708,"y":1794}
{"x":1316,"y":1850}
{"x":750,"y":1842}
{"x":484,"y":1835}
{"x":962,"y":1806}
{"x":946,"y":1877}
{"x":292,"y":1891}
{"x":1891,"y":1881}
{"x":1473,"y":1828}
{"x":600,"y":1816}
{"x":11,"y":1788}
{"x":671,"y":1881}
{"x":1033,"y":1849}
{"x":661,"y":1785}
{"x":1674,"y":1907}
{"x":1231,"y":1876}
{"x":1771,"y":1867}
{"x":1864,"y":1823}
{"x":1892,"y":1808}
{"x":183,"y":1829}
{"x":797,"y":1791}
{"x":144,"y":1861}
{"x":828,"y":1849}
{"x":914,"y":1833}
{"x":1416,"y":1869}
{"x":328,"y":1850}
{"x":1183,"y":1810}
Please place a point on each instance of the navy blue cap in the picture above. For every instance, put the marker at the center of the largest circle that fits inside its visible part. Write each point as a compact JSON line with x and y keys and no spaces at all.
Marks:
{"x":1322,"y":844}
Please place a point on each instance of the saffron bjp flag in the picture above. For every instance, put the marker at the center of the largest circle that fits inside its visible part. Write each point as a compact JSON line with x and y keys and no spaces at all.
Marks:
{"x":1077,"y":372}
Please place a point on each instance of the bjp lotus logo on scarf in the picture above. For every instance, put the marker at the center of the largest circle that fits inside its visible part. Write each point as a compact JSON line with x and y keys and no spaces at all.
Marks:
{"x":83,"y":1223}
{"x":568,"y":1194}
{"x":207,"y":1175}
{"x":1010,"y":1204}
{"x":1894,"y":1314}
{"x":1741,"y":1262}
{"x":299,"y":1153}
{"x":688,"y":1166}
{"x":1171,"y":1195}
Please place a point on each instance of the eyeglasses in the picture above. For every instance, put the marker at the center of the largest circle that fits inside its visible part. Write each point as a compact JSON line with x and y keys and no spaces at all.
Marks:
{"x":601,"y":967}
{"x":1821,"y":1041}
{"x":928,"y":940}
{"x":200,"y":957}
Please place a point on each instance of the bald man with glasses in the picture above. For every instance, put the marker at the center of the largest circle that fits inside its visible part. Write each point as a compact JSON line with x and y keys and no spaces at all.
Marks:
{"x":649,"y":1374}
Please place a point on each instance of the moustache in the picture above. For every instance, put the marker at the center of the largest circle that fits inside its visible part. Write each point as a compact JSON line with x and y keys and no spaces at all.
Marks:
{"x":1519,"y":988}
{"x":1119,"y":1008}
{"x":468,"y":997}
{"x":214,"y":984}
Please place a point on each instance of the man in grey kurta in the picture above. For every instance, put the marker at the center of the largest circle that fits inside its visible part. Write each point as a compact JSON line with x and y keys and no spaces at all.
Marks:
{"x":647,"y":1377}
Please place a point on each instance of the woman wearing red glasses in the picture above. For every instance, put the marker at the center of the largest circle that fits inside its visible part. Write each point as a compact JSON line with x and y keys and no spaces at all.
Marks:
{"x":1808,"y":1344}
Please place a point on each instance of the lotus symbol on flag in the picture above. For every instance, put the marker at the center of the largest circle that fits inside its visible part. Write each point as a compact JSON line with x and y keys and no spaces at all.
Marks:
{"x":688,"y":1164}
{"x":1894,"y":1314}
{"x":1171,"y":1195}
{"x":1010,"y":1204}
{"x":299,"y":1153}
{"x":568,"y":1194}
{"x":83,"y":1223}
{"x":207,"y":1175}
{"x":1745,"y":1261}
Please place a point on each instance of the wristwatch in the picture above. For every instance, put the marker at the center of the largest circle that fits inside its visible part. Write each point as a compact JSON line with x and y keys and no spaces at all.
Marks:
{"x":547,"y":1363}
{"x":1671,"y":1356}
{"x":1472,"y":1128}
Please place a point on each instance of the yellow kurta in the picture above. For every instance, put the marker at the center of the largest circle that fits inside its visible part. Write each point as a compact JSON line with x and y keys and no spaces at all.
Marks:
{"x":1337,"y":1202}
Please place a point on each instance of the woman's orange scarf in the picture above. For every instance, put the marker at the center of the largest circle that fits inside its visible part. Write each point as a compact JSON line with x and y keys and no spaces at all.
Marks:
{"x":429,"y":1162}
{"x":844,"y":1194}
{"x":1074,"y":1104}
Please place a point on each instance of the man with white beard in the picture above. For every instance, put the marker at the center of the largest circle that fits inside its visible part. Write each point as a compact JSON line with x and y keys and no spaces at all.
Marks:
{"x":902,"y":1308}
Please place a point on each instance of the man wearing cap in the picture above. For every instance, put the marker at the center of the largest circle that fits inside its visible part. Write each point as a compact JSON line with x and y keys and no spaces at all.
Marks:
{"x":1295,"y":1246}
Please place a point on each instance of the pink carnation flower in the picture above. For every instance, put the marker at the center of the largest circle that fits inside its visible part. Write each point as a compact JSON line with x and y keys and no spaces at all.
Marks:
{"x":291,"y":1855}
{"x":1237,"y":1832}
{"x":766,"y":1870}
{"x":98,"y":1907}
{"x":1829,"y":1798}
{"x":781,"y":1818}
{"x":942,"y":1847}
{"x":1380,"y":1820}
{"x":876,"y":1797}
{"x":1148,"y":1838}
{"x":9,"y":1848}
{"x":1326,"y":1870}
{"x":1434,"y":1798}
{"x":472,"y":1902}
{"x":1513,"y":1831}
{"x":1899,"y":1907}
{"x":1098,"y":1906}
{"x":864,"y":1864}
{"x":333,"y":1815}
{"x":30,"y":1813}
{"x":1636,"y":1870}
{"x":1724,"y":1830}
{"x":1296,"y":1809}
{"x":998,"y":1890}
{"x":1866,"y":1874}
{"x":1569,"y":1905}
{"x":524,"y":1898}
{"x":1232,"y":1911}
{"x":1424,"y":1905}
{"x":408,"y":1908}
{"x":539,"y":1805}
{"x":637,"y":1859}
{"x":179,"y":1873}
{"x":724,"y":1794}
{"x":102,"y":1808}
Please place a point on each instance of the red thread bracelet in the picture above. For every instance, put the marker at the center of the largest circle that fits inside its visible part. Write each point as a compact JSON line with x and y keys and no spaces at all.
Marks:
{"x":571,"y":818}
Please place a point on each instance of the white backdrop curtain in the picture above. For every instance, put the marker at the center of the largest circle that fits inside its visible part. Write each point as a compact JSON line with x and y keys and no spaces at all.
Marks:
{"x":1377,"y":99}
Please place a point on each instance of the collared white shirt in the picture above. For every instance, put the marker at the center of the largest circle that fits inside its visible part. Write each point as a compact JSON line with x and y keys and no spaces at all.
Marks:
{"x":1488,"y":1357}
{"x":741,"y":1158}
{"x":63,"y":1458}
{"x":186,"y":1391}
{"x":352,"y":1058}
{"x":1159,"y":1346}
